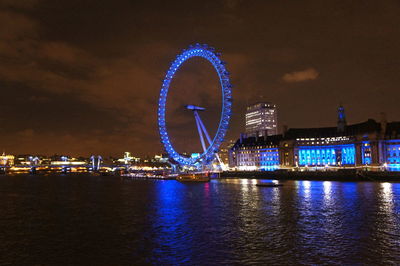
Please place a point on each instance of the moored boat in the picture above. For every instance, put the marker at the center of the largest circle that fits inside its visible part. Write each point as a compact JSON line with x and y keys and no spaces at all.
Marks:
{"x":193,"y":177}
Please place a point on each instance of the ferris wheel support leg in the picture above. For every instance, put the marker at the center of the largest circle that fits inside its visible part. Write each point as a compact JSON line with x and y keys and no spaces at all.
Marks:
{"x":200,"y":132}
{"x":199,"y":121}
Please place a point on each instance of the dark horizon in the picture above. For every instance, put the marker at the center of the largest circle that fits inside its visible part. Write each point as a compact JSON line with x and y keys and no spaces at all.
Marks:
{"x":83,"y":77}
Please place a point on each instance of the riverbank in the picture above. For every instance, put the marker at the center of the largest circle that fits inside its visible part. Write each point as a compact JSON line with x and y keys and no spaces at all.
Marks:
{"x":345,"y":175}
{"x":341,"y":175}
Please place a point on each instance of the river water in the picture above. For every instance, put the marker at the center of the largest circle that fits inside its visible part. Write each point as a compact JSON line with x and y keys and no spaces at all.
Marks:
{"x":92,"y":220}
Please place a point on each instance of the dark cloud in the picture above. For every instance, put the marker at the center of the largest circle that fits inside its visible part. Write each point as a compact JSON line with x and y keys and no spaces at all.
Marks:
{"x":83,"y":76}
{"x":21,"y":4}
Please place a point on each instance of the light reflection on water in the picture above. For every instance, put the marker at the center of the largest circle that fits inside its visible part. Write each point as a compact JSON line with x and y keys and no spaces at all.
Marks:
{"x":107,"y":221}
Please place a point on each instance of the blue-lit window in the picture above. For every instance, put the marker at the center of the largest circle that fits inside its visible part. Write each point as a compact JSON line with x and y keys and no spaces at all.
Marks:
{"x":366,"y":152}
{"x":348,"y":154}
{"x":326,"y":155}
{"x":392,"y":155}
{"x":269,"y":159}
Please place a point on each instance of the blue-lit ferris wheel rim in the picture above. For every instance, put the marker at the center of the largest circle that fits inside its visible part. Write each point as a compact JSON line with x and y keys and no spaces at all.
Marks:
{"x":209,"y":54}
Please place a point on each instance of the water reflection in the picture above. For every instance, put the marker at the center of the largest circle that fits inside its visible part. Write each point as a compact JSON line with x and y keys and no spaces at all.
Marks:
{"x":387,"y":217}
{"x":172,"y":232}
{"x":327,"y":187}
{"x":207,"y":190}
{"x":327,"y":194}
{"x":304,"y":190}
{"x":387,"y":202}
{"x":249,"y":200}
{"x":306,"y":184}
{"x":387,"y":193}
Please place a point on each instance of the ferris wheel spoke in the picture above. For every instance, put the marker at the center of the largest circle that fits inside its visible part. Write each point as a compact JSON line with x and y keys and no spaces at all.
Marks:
{"x":203,"y":127}
{"x":199,"y":129}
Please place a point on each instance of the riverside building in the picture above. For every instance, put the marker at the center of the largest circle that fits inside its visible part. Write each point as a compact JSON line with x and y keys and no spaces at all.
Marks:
{"x":261,"y":120}
{"x":6,"y":160}
{"x":372,"y":145}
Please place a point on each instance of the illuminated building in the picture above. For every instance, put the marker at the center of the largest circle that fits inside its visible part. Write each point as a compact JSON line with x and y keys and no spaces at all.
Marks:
{"x":261,"y":120}
{"x":25,"y":159}
{"x":163,"y":158}
{"x":65,"y":160}
{"x":369,"y":145}
{"x":6,"y":160}
{"x":391,"y":147}
{"x":128,"y":159}
{"x":256,"y":153}
{"x":224,"y":151}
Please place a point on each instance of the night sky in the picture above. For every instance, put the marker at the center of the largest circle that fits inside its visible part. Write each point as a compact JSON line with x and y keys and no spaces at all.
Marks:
{"x":83,"y":77}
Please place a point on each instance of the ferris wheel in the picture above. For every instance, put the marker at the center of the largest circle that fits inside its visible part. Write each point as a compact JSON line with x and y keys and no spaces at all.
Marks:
{"x":210,"y":145}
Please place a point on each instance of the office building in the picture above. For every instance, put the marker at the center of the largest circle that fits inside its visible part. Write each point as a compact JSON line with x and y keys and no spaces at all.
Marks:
{"x":261,"y":120}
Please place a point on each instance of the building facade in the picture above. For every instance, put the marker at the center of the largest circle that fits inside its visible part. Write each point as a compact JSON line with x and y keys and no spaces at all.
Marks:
{"x":6,"y":160}
{"x":224,"y":151}
{"x":255,"y":153}
{"x":261,"y":120}
{"x":369,"y":145}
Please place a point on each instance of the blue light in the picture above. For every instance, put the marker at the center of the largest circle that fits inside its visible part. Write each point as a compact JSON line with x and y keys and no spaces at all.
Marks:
{"x":366,"y":152}
{"x":393,"y":155}
{"x":393,"y":167}
{"x":327,"y":155}
{"x":208,"y":53}
{"x":195,"y":155}
{"x":269,"y":159}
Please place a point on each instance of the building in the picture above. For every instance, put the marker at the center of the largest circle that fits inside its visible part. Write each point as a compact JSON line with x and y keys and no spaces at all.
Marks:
{"x":255,"y":153}
{"x":127,"y":159}
{"x":261,"y":120}
{"x":163,"y":158}
{"x":371,"y":144}
{"x":224,"y":151}
{"x":25,"y":159}
{"x":66,"y":160}
{"x":6,"y":160}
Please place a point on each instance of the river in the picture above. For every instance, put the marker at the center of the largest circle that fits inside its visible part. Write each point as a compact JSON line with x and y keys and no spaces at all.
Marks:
{"x":96,"y":220}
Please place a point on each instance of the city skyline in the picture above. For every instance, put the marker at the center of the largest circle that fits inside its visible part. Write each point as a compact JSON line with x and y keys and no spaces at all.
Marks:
{"x":75,"y":83}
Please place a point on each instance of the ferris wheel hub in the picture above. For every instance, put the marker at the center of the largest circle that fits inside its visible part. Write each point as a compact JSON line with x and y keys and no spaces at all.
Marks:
{"x":195,"y":108}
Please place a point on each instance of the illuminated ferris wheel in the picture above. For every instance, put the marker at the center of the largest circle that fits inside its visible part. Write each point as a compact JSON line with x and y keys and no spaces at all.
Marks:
{"x":210,"y":146}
